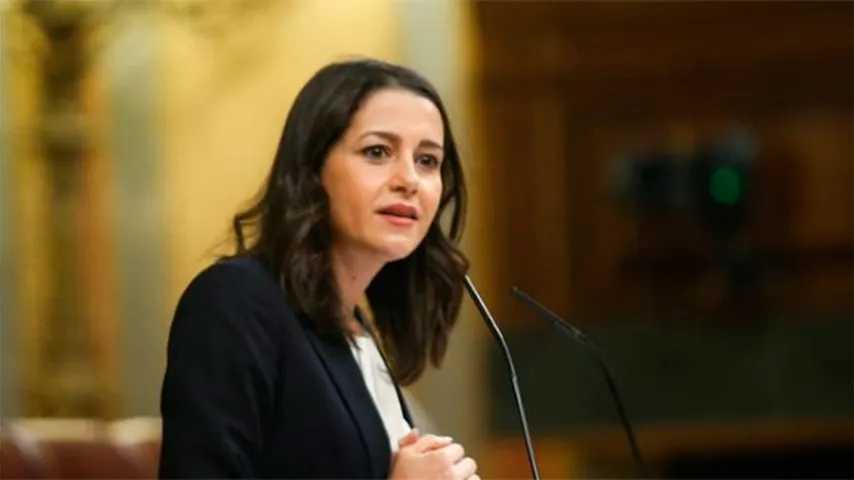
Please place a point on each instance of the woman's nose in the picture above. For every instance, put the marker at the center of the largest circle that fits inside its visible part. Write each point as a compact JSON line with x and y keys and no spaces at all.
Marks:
{"x":404,"y":176}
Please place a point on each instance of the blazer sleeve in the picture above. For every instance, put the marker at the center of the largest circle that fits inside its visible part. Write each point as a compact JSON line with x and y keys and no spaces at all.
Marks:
{"x":220,"y":378}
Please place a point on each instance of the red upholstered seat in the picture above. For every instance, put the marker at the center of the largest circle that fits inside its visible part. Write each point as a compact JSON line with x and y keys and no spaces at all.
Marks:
{"x":14,"y":463}
{"x":79,"y":448}
{"x":91,"y":459}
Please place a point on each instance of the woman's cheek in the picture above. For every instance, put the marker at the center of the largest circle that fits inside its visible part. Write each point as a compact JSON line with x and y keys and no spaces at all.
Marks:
{"x":434,"y":200}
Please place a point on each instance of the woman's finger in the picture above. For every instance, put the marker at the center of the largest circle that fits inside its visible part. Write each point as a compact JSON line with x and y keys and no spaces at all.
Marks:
{"x":431,"y":442}
{"x":408,"y":439}
{"x":465,"y":468}
{"x":452,"y":453}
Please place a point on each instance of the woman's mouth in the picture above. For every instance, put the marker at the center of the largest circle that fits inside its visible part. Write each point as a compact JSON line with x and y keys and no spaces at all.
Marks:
{"x":399,"y":214}
{"x":398,"y":220}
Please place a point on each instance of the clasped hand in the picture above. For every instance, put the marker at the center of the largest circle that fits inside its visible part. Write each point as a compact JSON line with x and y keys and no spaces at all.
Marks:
{"x":433,"y":457}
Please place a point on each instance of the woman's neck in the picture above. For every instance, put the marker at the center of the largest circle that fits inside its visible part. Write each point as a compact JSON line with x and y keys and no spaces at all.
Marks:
{"x":353,"y":272}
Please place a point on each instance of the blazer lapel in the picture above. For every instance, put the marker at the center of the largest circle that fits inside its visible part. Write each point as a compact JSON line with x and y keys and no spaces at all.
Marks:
{"x":403,"y":406}
{"x":338,"y":360}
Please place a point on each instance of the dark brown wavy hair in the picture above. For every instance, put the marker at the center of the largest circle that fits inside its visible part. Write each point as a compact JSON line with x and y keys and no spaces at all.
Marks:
{"x":415,"y":300}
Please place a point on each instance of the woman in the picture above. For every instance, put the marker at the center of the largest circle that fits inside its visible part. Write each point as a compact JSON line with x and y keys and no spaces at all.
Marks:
{"x":273,"y":370}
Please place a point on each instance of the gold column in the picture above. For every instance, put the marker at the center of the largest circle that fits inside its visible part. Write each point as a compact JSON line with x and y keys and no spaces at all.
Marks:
{"x":50,"y":162}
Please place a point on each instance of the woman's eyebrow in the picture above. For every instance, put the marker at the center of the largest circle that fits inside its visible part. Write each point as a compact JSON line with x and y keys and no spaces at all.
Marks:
{"x":391,"y":137}
{"x":394,"y":138}
{"x":430,"y":143}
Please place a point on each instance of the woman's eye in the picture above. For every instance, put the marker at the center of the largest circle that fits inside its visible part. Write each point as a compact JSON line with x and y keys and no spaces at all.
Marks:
{"x":375,"y":151}
{"x":429,"y":161}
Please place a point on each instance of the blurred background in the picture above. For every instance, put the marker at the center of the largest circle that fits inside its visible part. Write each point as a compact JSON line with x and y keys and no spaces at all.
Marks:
{"x":673,"y":178}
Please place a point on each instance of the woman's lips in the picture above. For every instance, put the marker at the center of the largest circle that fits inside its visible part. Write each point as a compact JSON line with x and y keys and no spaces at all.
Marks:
{"x":401,"y":210}
{"x":398,"y":220}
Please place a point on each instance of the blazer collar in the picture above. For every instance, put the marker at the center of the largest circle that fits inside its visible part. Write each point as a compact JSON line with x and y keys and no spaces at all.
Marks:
{"x":338,"y":360}
{"x":403,"y":406}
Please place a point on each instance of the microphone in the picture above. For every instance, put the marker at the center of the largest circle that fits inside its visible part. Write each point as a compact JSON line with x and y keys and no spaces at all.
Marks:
{"x":496,"y":332}
{"x":595,"y":352}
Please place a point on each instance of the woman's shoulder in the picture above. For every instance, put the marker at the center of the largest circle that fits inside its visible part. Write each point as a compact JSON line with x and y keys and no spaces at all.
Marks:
{"x":239,"y":287}
{"x":235,"y":275}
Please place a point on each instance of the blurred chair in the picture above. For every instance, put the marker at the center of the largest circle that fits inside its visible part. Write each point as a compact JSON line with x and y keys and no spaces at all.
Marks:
{"x":80,"y":448}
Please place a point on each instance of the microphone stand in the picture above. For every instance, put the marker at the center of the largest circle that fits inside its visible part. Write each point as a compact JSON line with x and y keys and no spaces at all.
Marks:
{"x":579,"y":336}
{"x":493,"y":327}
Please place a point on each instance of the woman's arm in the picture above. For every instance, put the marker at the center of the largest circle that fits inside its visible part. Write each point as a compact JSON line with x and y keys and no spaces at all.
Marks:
{"x":220,"y":376}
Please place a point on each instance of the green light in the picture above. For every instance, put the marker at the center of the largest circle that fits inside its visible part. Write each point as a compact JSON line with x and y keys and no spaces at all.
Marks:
{"x":725,"y":185}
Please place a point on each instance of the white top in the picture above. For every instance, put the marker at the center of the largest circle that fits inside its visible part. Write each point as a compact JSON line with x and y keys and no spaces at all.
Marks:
{"x":381,"y":387}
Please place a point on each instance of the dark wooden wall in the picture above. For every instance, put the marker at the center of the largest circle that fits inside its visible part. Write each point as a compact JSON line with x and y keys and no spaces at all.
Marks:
{"x":731,"y":333}
{"x":570,"y":87}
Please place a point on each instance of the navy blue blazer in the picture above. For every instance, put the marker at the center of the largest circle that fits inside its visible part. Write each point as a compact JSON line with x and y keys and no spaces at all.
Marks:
{"x":251,"y":390}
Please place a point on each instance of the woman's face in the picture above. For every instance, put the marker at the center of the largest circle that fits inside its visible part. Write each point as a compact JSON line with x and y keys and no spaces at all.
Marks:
{"x":383,"y":176}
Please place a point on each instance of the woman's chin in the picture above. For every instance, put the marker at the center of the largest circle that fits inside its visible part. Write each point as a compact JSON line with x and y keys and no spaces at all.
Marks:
{"x":393,"y":253}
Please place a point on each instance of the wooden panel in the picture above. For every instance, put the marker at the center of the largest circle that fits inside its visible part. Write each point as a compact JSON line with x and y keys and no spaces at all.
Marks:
{"x":628,"y":76}
{"x":623,"y":35}
{"x":604,"y":453}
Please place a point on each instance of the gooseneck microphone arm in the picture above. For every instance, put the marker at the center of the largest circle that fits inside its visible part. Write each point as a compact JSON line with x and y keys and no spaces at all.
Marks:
{"x":596,"y":353}
{"x":493,"y":327}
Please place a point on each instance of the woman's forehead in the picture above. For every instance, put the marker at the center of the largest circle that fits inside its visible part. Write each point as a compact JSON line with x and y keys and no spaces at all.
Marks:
{"x":398,"y":112}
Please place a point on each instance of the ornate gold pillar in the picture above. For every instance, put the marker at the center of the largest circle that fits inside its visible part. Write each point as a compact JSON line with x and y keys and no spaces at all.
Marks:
{"x":60,"y":365}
